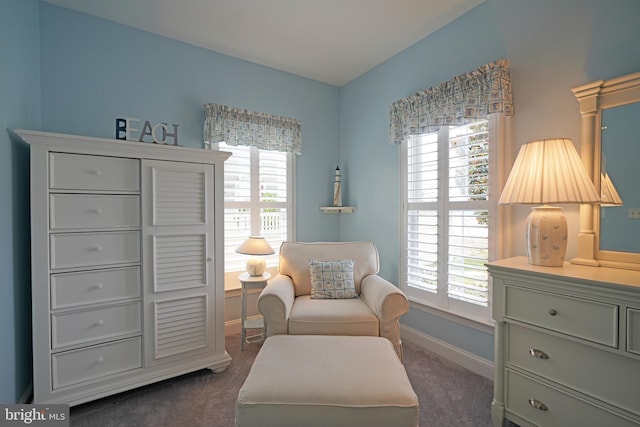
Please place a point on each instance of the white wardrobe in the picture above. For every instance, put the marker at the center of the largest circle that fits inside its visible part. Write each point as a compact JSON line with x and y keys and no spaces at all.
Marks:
{"x":127,"y":264}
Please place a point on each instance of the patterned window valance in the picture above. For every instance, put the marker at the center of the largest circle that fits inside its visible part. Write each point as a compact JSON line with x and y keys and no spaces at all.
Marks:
{"x":463,"y":99}
{"x":236,"y":126}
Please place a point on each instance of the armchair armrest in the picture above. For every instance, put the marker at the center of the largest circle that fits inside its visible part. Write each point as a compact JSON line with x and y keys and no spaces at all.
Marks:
{"x":275,"y":303}
{"x":388,"y":303}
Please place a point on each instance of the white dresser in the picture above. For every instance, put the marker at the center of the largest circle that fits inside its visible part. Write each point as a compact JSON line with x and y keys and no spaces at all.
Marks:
{"x":127,"y":264}
{"x":567,"y":345}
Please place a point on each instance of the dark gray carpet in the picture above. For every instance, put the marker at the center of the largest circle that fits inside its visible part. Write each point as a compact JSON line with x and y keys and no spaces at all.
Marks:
{"x":449,"y":396}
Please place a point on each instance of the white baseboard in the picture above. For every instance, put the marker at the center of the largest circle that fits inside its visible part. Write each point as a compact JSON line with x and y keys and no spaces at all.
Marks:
{"x":470,"y":361}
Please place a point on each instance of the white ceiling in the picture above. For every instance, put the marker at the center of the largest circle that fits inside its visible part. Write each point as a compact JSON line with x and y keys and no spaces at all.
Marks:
{"x":332,"y":41}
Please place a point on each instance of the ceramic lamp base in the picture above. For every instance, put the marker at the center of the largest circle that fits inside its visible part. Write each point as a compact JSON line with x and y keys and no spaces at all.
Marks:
{"x":256,"y":266}
{"x":546,"y":236}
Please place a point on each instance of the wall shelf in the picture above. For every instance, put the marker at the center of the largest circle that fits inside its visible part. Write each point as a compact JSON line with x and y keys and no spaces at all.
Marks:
{"x":337,"y":209}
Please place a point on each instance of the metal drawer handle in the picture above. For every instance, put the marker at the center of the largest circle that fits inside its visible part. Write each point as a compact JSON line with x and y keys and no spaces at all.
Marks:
{"x":538,"y":405}
{"x":538,"y":353}
{"x":99,"y":286}
{"x":96,"y":172}
{"x":552,"y":312}
{"x":101,"y":360}
{"x":97,"y":211}
{"x":97,"y":248}
{"x":100,"y":323}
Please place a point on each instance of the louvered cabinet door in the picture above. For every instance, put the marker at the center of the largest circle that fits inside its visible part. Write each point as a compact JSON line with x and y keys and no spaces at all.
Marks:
{"x":178,"y":243}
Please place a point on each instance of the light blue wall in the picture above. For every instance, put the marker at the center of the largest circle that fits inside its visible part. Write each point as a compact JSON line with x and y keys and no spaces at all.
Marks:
{"x":94,"y":71}
{"x":552,"y":45}
{"x":19,"y":107}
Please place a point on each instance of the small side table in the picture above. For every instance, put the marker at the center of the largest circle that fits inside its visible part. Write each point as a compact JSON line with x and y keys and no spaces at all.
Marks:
{"x":251,"y":282}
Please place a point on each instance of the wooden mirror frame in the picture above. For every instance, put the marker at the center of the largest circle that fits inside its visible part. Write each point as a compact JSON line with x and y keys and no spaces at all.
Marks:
{"x":593,"y":98}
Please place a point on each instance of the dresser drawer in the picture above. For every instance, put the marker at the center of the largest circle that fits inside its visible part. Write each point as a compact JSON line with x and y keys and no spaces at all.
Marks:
{"x":591,"y":320}
{"x":85,"y":326}
{"x":607,"y":376}
{"x":633,"y":330}
{"x":69,"y":250}
{"x":554,"y":407}
{"x":88,"y":211}
{"x":91,"y":287}
{"x":97,"y":173}
{"x":76,"y":366}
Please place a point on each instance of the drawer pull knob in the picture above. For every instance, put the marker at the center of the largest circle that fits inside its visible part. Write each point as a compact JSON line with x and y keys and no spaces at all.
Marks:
{"x":97,"y":172}
{"x":99,"y":286}
{"x":97,"y":248}
{"x":97,"y":211}
{"x":552,"y":312}
{"x":538,"y":405}
{"x":538,"y":353}
{"x":101,"y":360}
{"x":100,"y":323}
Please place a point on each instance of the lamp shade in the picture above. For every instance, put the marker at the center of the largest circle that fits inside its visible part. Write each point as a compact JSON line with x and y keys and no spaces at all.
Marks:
{"x":610,"y":196}
{"x":255,"y":246}
{"x":548,"y":171}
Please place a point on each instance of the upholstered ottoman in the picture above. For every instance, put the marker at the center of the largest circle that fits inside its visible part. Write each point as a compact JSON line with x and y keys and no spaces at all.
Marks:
{"x":320,"y":380}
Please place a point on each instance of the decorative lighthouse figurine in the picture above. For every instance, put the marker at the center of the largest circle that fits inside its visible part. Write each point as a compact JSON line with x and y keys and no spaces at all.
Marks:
{"x":337,"y":188}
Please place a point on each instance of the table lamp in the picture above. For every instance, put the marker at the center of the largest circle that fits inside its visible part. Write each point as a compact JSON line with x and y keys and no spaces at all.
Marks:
{"x":548,"y":171}
{"x":255,"y":246}
{"x":610,"y":196}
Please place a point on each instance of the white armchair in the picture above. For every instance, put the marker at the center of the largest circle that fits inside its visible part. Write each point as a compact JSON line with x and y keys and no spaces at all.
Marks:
{"x":288,"y":308}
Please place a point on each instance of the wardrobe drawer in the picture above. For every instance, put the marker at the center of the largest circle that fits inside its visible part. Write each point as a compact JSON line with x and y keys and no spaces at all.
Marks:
{"x":591,"y":320}
{"x":76,"y":366}
{"x":85,"y":326}
{"x":545,"y":406}
{"x":90,"y":287}
{"x":69,"y":250}
{"x":602,"y":374}
{"x":98,"y":173}
{"x":88,"y":211}
{"x":633,"y":330}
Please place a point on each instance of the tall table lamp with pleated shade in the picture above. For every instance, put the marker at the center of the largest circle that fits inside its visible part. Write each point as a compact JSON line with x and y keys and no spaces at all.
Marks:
{"x":257,"y":247}
{"x":610,"y":196}
{"x":548,"y":171}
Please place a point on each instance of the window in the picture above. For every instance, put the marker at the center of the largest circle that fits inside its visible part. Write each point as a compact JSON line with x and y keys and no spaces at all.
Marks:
{"x":453,"y":149}
{"x":449,"y":217}
{"x":258,"y":201}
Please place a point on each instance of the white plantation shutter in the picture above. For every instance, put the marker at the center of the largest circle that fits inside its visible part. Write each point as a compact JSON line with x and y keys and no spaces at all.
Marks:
{"x":237,"y":204}
{"x":273,"y":200}
{"x":422,"y":215}
{"x":469,"y":209}
{"x":447,"y":218}
{"x":257,"y":201}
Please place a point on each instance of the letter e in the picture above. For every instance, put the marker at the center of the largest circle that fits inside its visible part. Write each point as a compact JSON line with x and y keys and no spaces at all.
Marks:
{"x":130,"y":128}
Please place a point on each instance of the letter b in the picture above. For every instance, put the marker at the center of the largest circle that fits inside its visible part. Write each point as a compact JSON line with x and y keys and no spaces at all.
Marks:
{"x":121,"y":126}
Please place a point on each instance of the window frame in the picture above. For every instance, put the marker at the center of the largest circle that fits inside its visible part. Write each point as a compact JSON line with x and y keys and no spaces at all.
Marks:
{"x":499,"y":236}
{"x":255,"y":205}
